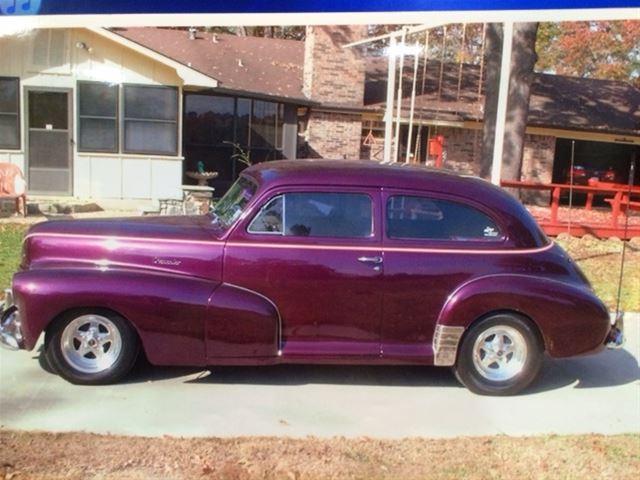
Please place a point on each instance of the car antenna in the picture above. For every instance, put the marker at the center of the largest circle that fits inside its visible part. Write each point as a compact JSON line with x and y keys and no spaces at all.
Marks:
{"x":632,"y":168}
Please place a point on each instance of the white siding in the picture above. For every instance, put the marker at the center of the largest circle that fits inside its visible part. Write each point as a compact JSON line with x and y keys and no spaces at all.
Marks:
{"x":91,"y":57}
{"x":136,"y":178}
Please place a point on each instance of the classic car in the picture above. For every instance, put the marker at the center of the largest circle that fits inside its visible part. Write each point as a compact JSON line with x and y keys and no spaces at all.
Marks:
{"x":334,"y":262}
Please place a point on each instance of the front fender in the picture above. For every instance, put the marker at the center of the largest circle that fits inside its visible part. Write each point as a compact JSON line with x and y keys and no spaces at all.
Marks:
{"x":242,"y":323}
{"x":168,"y":311}
{"x":571,"y":319}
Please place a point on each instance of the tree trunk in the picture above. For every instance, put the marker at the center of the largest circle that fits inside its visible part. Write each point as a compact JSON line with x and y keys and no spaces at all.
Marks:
{"x":523,"y":59}
{"x":493,"y":49}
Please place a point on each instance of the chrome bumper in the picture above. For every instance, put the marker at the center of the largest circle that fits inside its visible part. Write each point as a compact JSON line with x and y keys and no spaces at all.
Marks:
{"x":615,"y":339}
{"x":10,"y":331}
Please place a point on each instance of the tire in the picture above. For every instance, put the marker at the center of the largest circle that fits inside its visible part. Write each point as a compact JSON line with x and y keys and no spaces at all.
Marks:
{"x":91,"y":347}
{"x":500,"y":355}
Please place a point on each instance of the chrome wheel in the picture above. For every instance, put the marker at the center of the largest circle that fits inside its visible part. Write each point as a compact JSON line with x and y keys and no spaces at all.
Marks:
{"x":500,"y":353}
{"x":91,"y":343}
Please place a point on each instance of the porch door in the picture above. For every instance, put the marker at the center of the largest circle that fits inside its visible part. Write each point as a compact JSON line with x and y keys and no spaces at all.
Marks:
{"x":49,"y":139}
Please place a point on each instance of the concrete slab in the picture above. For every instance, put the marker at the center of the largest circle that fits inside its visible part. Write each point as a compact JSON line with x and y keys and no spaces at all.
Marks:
{"x":599,"y":394}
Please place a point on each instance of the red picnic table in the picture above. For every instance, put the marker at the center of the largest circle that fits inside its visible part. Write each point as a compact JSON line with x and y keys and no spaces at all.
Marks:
{"x":618,"y":197}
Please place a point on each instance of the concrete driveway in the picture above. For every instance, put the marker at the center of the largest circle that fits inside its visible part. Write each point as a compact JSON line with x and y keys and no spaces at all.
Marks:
{"x":598,"y":394}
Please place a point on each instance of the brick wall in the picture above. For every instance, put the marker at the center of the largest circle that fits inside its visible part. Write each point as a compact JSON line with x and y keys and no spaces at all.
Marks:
{"x":334,"y":135}
{"x":462,"y":149}
{"x":537,"y":166}
{"x":333,"y":75}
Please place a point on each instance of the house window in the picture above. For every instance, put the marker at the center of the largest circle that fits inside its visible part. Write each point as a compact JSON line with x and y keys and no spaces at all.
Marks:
{"x":98,"y":117}
{"x":215,"y":124}
{"x":150,"y":120}
{"x":266,"y":125}
{"x":9,"y":113}
{"x":147,"y":123}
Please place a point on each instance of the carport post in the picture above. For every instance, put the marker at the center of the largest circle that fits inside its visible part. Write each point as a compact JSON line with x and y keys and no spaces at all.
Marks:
{"x":388,"y":114}
{"x":503,"y":94}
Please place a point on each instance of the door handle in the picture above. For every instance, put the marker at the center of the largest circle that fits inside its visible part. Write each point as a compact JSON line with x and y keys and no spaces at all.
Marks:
{"x":374,"y":260}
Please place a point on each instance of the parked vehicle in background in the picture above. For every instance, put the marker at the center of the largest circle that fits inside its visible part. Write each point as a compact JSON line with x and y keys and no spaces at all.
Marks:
{"x":311,"y":262}
{"x":581,"y":175}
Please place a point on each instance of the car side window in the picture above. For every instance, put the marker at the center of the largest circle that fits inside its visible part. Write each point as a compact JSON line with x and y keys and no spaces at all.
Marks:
{"x":269,"y":218}
{"x":316,"y":214}
{"x":436,"y":219}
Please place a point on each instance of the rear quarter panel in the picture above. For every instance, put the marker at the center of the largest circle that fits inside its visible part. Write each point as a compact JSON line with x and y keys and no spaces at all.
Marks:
{"x":571,"y":319}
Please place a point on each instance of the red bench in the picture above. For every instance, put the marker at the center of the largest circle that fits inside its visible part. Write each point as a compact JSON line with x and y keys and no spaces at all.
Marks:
{"x":13,"y":186}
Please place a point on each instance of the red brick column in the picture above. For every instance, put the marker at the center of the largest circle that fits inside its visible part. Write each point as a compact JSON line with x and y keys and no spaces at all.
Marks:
{"x":334,"y":77}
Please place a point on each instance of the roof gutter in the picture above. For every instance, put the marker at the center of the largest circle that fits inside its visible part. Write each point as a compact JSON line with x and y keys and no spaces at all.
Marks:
{"x":261,"y":96}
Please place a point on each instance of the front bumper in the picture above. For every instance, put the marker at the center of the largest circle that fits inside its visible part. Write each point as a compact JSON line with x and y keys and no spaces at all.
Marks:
{"x":10,"y":327}
{"x":615,"y":339}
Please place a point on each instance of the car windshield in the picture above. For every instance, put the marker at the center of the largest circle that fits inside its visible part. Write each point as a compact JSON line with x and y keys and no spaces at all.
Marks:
{"x":234,"y":202}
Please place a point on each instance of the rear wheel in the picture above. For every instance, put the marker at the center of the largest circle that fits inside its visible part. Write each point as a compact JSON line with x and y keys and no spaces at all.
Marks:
{"x":91,"y":347}
{"x":500,"y":355}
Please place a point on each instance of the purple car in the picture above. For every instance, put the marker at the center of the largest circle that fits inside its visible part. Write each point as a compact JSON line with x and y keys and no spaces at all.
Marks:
{"x":329,"y":262}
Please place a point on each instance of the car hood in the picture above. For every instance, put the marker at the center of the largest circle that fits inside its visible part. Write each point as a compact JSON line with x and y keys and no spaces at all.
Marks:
{"x":166,"y":227}
{"x":187,"y":245}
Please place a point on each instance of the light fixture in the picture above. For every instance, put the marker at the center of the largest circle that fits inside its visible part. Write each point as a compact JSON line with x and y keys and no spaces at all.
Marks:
{"x":84,"y":46}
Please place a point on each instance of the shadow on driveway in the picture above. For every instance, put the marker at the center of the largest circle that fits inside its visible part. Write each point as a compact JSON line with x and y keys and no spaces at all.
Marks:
{"x":607,"y":369}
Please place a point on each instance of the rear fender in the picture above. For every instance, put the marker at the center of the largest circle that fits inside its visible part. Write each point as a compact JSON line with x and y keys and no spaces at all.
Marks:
{"x":570,"y":318}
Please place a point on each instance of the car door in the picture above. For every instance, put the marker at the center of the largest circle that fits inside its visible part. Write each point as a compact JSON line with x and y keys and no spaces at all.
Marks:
{"x":315,"y":253}
{"x":433,"y":243}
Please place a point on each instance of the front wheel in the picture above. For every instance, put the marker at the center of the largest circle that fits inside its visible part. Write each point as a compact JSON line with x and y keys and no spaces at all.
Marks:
{"x":500,"y":355}
{"x":91,"y":347}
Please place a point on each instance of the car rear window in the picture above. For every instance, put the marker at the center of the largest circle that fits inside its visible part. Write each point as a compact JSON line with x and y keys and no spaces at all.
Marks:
{"x":436,"y":219}
{"x":316,"y":214}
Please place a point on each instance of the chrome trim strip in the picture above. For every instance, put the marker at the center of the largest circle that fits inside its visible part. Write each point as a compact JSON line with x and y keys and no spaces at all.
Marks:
{"x":379,"y":248}
{"x":272,"y":304}
{"x":462,"y":250}
{"x":445,"y":345}
{"x":123,"y":238}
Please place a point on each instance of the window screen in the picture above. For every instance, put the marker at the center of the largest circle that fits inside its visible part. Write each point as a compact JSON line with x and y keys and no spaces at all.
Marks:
{"x":9,"y":113}
{"x":426,"y":218}
{"x":98,"y":117}
{"x":150,"y":119}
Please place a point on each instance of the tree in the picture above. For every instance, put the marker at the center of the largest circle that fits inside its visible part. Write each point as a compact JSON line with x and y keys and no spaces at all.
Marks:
{"x":597,"y":49}
{"x":523,"y":60}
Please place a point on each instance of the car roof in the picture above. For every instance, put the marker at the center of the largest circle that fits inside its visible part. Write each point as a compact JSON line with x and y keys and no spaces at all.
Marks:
{"x":523,"y":230}
{"x":346,"y":172}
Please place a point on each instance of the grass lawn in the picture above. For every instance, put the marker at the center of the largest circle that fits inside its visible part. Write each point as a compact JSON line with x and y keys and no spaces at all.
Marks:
{"x":10,"y":243}
{"x":599,"y":259}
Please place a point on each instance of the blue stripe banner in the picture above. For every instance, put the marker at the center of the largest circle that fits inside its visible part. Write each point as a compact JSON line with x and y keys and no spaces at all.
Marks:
{"x":75,"y":7}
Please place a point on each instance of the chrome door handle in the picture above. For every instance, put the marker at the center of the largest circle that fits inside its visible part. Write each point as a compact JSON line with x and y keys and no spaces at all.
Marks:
{"x":374,"y":260}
